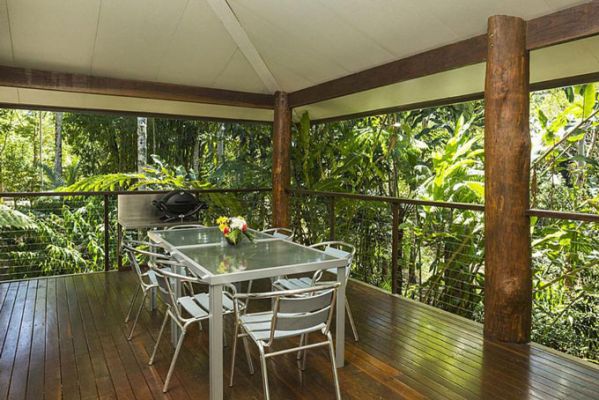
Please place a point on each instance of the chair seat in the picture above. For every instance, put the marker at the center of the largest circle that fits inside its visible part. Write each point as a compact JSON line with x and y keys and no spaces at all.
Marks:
{"x":192,"y":308}
{"x":203,"y":299}
{"x":258,"y":326}
{"x":293,"y":283}
{"x":198,"y":306}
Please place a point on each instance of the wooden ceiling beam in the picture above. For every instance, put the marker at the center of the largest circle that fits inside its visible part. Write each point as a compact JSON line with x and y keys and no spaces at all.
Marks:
{"x":563,"y":26}
{"x":79,"y":83}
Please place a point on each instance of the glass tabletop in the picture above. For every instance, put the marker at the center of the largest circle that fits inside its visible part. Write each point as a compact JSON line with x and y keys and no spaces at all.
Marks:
{"x":198,"y":236}
{"x":246,"y":256}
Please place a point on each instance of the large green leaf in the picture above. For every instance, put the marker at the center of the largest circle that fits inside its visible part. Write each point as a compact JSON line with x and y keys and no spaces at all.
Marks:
{"x":14,"y":219}
{"x":589,"y":99}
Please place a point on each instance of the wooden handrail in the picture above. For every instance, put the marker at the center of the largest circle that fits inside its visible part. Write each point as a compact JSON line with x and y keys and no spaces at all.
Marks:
{"x":106,"y":198}
{"x":562,"y":215}
{"x":462,"y":206}
{"x":118,"y":192}
{"x":391,"y":200}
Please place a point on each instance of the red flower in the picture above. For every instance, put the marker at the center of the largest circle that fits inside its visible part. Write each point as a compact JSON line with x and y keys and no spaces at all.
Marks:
{"x":226,"y":230}
{"x":244,"y":228}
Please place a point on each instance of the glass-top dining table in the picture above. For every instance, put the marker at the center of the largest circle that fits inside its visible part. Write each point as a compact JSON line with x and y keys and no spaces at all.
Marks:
{"x":206,"y":253}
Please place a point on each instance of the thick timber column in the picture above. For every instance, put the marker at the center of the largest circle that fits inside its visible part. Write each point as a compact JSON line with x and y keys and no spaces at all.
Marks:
{"x":508,"y":276}
{"x":281,"y":165}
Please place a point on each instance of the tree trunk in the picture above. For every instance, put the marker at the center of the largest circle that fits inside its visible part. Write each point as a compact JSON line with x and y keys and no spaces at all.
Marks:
{"x":153,"y":135}
{"x":142,"y":143}
{"x":220,"y":146}
{"x":41,"y":148}
{"x":195,"y":158}
{"x":58,"y":147}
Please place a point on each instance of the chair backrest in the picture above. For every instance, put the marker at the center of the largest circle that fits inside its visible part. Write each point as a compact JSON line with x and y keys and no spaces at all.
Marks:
{"x":132,"y":254}
{"x":301,"y":310}
{"x":337,"y":249}
{"x":166,"y":284}
{"x":185,"y":226}
{"x":280,"y":233}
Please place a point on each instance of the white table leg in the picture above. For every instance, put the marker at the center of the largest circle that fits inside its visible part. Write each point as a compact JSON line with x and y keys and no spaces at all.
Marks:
{"x":216,"y":342}
{"x":340,"y":319}
{"x":175,"y":329}
{"x":153,"y":291}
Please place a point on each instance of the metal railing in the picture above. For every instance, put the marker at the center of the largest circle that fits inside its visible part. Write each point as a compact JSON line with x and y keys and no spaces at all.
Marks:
{"x":74,"y":232}
{"x":433,"y":252}
{"x":425,"y":250}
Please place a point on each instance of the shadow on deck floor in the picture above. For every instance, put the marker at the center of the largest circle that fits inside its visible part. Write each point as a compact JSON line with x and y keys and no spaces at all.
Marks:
{"x":64,"y":337}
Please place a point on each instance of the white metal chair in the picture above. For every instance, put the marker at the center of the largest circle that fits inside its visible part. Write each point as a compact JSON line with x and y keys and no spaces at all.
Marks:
{"x":196,"y":306}
{"x":186,"y":226}
{"x":334,"y":248}
{"x":147,"y":280}
{"x":278,"y":233}
{"x":295,"y":313}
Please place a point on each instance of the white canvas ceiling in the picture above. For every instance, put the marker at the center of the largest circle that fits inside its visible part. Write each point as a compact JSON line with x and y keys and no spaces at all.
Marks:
{"x":302,"y":43}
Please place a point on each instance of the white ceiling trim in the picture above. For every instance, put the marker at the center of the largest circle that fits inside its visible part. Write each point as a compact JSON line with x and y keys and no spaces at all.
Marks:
{"x":224,"y":12}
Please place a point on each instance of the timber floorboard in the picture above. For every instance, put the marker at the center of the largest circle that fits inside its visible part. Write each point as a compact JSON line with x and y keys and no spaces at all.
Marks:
{"x":65,"y":338}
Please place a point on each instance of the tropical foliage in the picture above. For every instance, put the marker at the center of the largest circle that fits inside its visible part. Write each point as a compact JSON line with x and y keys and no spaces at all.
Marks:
{"x":432,"y":154}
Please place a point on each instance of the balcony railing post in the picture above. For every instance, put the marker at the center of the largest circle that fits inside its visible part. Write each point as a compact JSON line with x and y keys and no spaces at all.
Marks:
{"x":395,"y":278}
{"x":332,"y":219}
{"x":106,"y":234}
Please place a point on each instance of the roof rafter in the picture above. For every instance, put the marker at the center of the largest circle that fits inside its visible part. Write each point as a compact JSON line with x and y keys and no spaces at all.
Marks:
{"x":79,"y":83}
{"x":570,"y":24}
{"x":223,"y":11}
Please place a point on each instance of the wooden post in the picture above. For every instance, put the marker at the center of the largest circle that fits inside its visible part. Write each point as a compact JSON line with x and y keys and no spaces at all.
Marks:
{"x":395,"y":287}
{"x":106,"y":234}
{"x":508,"y":276}
{"x":281,"y":174}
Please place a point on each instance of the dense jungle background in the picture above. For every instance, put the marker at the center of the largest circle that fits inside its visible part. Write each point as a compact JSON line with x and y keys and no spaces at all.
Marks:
{"x":432,"y":154}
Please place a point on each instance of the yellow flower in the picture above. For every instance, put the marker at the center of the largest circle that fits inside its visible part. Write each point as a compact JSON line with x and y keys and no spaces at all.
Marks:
{"x":222,"y":220}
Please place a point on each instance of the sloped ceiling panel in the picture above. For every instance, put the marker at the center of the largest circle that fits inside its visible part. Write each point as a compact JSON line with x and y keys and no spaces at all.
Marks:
{"x":202,"y":53}
{"x":302,"y":42}
{"x":5,"y":40}
{"x":570,"y":59}
{"x":56,"y":35}
{"x":321,"y":40}
{"x":136,"y":35}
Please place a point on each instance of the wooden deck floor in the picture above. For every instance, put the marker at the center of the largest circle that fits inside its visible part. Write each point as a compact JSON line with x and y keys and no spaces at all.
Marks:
{"x":64,"y":337}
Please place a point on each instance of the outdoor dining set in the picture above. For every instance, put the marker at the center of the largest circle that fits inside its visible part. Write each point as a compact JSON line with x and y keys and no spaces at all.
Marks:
{"x":201,"y":277}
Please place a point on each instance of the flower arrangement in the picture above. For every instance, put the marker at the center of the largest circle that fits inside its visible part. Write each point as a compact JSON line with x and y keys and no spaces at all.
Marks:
{"x":234,"y":229}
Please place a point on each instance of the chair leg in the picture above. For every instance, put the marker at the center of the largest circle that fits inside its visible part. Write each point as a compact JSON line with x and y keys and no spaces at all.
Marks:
{"x":351,"y":321}
{"x":173,"y":362}
{"x":141,"y":306}
{"x":334,"y":364}
{"x":299,"y":352}
{"x":248,"y":356}
{"x":264,"y":372}
{"x":248,"y":292}
{"x":132,"y":303}
{"x":305,"y":351}
{"x":166,"y":316}
{"x":234,"y":352}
